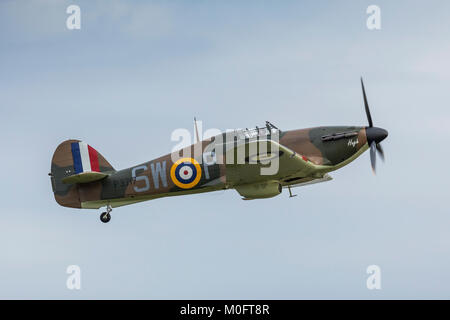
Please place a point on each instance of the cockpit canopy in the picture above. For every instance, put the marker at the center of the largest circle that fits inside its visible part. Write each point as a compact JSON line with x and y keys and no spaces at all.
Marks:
{"x":252,"y":133}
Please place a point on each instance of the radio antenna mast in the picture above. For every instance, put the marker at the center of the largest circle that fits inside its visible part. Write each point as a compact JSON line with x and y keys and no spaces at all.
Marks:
{"x":196,"y":130}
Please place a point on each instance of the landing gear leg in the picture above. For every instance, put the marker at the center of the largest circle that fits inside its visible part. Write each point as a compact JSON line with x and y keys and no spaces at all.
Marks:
{"x":290,"y":193}
{"x":106,"y":216}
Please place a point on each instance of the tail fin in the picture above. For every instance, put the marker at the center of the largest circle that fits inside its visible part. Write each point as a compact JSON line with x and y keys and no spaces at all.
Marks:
{"x":76,"y":162}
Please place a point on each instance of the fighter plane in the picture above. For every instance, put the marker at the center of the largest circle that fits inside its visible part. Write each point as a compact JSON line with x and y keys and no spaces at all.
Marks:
{"x":82,"y":178}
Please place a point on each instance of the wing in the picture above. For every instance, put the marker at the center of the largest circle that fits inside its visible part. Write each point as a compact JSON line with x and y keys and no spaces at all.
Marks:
{"x":263,"y":160}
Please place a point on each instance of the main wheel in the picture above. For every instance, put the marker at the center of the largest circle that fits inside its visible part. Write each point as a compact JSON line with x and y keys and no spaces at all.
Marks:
{"x":105,"y":217}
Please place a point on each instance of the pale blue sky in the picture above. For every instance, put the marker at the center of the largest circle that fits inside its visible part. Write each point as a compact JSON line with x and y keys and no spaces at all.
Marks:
{"x":138,"y":70}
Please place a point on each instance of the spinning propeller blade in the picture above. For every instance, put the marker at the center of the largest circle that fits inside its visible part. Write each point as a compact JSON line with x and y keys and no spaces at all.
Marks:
{"x":374,"y":135}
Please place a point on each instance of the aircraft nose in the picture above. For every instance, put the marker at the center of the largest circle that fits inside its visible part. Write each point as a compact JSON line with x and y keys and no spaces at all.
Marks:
{"x":375,"y":134}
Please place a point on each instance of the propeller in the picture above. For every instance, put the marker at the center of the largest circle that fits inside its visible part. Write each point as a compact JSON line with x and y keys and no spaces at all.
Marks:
{"x":374,"y":135}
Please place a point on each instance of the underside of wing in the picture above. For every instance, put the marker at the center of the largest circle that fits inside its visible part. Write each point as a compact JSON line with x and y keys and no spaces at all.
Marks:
{"x":303,"y":181}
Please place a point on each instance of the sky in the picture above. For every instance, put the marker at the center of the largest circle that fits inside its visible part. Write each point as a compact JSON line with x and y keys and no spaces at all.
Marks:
{"x":136,"y":71}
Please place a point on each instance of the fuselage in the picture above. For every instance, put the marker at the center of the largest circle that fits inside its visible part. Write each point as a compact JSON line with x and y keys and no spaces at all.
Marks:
{"x":328,"y":148}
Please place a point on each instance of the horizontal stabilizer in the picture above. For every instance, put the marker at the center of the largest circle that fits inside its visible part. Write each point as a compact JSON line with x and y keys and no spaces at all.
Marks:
{"x":84,"y":177}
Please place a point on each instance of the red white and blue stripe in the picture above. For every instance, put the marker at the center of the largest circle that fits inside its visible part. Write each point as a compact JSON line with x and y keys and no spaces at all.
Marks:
{"x":85,"y":158}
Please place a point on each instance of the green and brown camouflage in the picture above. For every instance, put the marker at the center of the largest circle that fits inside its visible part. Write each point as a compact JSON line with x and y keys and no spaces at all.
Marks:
{"x":306,"y":155}
{"x":258,"y":163}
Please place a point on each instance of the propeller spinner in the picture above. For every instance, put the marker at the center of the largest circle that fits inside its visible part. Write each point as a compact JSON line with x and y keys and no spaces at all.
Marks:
{"x":374,"y":134}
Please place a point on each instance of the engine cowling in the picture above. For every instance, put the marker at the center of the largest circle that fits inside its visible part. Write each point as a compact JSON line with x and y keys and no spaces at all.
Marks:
{"x":259,"y":190}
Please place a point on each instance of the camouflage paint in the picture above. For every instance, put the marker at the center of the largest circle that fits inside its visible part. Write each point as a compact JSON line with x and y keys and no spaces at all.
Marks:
{"x":153,"y":179}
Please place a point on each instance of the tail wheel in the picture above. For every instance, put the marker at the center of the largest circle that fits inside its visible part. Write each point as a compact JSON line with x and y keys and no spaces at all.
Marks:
{"x":105,"y":217}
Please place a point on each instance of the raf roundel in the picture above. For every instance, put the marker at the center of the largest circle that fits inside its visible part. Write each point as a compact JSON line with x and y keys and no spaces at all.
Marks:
{"x":186,"y":173}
